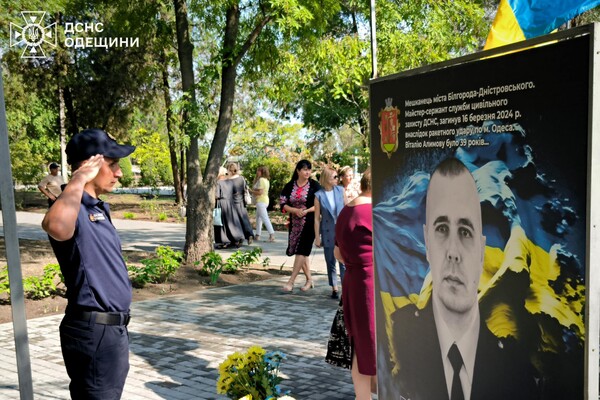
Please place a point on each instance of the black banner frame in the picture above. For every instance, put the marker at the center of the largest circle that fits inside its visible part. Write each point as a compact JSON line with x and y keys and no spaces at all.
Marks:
{"x":592,"y":173}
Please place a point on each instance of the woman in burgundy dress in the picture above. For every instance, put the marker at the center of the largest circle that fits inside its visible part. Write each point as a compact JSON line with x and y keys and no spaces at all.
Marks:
{"x":354,"y":248}
{"x":297,"y":199}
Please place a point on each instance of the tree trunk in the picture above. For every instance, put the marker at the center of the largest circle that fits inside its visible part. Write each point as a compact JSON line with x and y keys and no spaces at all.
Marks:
{"x":172,"y":145}
{"x":230,"y":60}
{"x":61,"y":67}
{"x":363,"y":123}
{"x":205,"y":195}
{"x":199,"y":230}
{"x":228,"y":77}
{"x":182,"y":165}
{"x":73,"y":126}
{"x":63,"y":131}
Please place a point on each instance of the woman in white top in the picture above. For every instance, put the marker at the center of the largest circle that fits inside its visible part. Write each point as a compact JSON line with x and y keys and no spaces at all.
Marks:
{"x":260,"y":190}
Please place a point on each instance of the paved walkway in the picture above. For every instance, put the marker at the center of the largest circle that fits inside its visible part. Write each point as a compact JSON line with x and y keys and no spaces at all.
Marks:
{"x":177,"y":342}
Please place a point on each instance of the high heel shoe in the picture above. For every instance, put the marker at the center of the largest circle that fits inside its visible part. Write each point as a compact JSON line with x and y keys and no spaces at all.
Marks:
{"x":308,"y":285}
{"x":288,"y":288}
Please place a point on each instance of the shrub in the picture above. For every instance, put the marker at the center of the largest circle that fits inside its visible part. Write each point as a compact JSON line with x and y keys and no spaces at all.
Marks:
{"x":4,"y":282}
{"x":35,"y":287}
{"x":241,"y":259}
{"x":157,"y":269}
{"x":128,"y":215}
{"x":40,"y":287}
{"x":212,"y":265}
{"x":128,"y":178}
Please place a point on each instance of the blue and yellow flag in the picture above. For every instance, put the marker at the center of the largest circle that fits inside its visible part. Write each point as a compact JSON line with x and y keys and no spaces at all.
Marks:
{"x":518,"y":20}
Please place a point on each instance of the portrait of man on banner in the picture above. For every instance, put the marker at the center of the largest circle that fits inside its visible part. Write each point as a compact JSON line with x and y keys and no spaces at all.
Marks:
{"x":445,"y":350}
{"x":514,"y":300}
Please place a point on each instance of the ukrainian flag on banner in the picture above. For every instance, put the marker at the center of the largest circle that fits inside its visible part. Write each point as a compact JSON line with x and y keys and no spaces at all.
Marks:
{"x":518,"y":20}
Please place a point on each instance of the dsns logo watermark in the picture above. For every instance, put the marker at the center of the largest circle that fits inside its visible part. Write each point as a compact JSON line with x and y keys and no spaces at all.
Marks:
{"x":34,"y":35}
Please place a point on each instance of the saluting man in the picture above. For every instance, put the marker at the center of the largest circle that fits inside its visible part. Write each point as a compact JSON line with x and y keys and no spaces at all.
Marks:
{"x":93,"y":333}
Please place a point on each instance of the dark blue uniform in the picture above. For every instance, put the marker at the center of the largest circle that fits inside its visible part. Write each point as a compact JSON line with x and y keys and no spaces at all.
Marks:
{"x":93,"y":333}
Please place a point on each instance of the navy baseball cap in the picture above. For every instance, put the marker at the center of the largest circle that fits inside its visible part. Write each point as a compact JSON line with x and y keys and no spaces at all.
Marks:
{"x":90,"y":142}
{"x":54,"y":165}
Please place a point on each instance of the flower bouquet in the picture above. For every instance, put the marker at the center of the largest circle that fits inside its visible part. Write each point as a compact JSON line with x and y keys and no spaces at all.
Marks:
{"x":252,"y":375}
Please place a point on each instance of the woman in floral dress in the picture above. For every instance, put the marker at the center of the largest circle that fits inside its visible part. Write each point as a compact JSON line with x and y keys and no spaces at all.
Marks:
{"x":297,"y":199}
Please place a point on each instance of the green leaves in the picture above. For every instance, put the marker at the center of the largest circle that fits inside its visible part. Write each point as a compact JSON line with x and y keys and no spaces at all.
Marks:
{"x":35,"y":287}
{"x":213,"y":264}
{"x":157,"y":269}
{"x":152,"y":154}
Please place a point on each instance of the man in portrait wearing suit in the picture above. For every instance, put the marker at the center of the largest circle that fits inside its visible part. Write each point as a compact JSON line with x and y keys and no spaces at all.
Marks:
{"x":445,"y":351}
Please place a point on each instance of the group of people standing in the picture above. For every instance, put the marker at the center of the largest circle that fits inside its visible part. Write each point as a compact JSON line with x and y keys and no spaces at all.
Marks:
{"x":329,"y":215}
{"x":314,"y":208}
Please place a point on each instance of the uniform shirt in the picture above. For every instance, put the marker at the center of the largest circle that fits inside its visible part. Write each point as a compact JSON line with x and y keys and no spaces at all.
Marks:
{"x":52,"y":183}
{"x":91,"y":261}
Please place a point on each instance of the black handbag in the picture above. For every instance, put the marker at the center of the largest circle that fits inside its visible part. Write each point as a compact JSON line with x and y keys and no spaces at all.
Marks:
{"x":339,"y":351}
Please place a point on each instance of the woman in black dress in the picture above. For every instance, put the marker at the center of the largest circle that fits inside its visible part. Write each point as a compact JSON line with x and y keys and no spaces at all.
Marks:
{"x":239,"y":187}
{"x":230,"y":197}
{"x":297,"y":199}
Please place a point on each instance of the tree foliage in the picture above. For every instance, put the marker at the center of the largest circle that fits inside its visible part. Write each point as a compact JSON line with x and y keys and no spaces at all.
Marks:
{"x":128,"y":177}
{"x":152,"y":154}
{"x":31,"y":119}
{"x":325,"y":81}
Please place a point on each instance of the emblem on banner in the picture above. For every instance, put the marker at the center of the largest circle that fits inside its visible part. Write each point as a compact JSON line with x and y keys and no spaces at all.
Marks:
{"x":388,"y":127}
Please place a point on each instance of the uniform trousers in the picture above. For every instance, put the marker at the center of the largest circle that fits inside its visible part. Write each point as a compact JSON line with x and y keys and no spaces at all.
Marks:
{"x":96,"y":358}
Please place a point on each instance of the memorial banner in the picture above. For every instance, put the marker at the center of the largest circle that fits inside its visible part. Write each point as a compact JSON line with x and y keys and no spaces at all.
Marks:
{"x":502,"y":277}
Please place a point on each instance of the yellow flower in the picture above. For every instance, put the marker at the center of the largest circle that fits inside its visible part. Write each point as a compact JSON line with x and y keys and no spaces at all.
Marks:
{"x":235,"y":357}
{"x":224,"y":383}
{"x":247,"y":397}
{"x":224,"y":366}
{"x":255,"y":354}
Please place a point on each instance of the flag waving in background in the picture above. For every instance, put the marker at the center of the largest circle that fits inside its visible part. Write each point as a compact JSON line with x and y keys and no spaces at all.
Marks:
{"x":518,"y":20}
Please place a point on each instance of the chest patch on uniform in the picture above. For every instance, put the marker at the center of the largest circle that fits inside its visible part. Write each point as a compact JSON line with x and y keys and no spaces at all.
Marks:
{"x":97,"y":217}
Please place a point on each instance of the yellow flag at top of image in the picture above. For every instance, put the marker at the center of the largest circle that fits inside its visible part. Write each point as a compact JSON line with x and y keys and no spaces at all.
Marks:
{"x":518,"y":20}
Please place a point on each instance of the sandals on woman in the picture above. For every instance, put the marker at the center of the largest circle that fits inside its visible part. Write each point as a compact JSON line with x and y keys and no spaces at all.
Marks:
{"x":308,"y":285}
